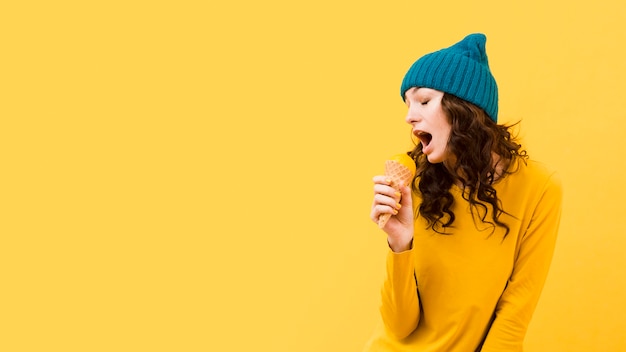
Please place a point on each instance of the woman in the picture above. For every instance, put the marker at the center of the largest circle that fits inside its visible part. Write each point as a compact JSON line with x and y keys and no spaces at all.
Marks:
{"x":472,"y":238}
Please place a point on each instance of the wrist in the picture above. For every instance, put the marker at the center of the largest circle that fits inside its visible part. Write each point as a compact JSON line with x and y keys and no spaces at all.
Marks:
{"x":400,"y":246}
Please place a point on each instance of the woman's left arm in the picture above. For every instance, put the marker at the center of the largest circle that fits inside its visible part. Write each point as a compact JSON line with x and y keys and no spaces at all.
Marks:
{"x":519,"y":299}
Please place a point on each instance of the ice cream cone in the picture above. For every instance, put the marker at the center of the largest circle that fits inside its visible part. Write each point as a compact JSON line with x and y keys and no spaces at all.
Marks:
{"x":400,"y":169}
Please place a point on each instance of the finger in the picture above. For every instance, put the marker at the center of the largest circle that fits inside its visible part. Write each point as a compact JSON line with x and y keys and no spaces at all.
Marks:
{"x":380,"y":209}
{"x":382,"y":179}
{"x":380,"y":199}
{"x":387,"y":191}
{"x":405,"y":192}
{"x":405,"y":198}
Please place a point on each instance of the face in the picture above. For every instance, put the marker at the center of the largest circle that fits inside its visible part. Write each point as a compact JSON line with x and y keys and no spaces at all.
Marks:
{"x":430,"y":124}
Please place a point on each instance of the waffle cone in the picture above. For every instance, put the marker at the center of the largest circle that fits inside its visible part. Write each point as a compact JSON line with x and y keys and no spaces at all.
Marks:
{"x":400,"y":176}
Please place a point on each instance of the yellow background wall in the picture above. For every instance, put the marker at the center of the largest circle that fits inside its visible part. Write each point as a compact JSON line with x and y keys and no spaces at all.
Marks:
{"x":196,"y":176}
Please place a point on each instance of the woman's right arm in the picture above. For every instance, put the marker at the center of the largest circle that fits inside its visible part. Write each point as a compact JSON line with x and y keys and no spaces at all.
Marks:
{"x":400,"y":308}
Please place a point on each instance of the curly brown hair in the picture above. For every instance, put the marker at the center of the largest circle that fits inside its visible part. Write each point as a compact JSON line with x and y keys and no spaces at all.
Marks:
{"x":475,"y":141}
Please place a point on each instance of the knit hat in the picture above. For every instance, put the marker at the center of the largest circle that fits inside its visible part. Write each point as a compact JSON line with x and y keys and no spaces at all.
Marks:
{"x":461,"y":70}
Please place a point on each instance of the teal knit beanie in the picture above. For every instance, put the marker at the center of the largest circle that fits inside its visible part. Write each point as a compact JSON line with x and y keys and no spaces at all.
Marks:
{"x":461,"y":70}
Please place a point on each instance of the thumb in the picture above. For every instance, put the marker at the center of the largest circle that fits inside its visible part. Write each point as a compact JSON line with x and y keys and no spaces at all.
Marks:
{"x":406,"y":196}
{"x":406,"y":211}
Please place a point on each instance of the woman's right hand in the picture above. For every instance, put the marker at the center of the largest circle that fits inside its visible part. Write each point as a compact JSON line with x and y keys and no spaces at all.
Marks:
{"x":398,"y":203}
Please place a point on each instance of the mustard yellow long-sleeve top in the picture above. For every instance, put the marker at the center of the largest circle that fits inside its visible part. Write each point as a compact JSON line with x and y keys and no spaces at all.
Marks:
{"x":470,"y":289}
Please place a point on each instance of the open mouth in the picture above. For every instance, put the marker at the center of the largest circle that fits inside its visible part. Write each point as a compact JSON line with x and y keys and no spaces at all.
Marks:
{"x":424,"y":138}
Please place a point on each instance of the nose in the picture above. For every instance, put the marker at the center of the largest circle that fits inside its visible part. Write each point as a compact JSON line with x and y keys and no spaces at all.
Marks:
{"x":412,"y":116}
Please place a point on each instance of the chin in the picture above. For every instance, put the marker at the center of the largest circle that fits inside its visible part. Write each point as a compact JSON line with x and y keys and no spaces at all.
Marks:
{"x":434,"y":159}
{"x":438,"y":155}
